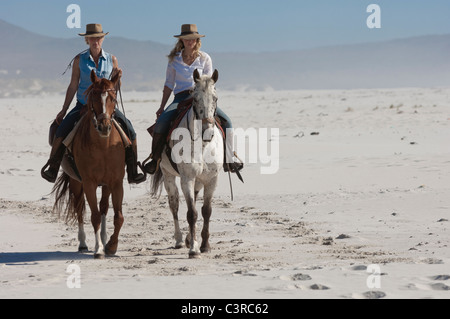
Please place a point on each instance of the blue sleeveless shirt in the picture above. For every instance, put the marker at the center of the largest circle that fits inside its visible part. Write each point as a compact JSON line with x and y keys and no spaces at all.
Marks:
{"x":87,"y":64}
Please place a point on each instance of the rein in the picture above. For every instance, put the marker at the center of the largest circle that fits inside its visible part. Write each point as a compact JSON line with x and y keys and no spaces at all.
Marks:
{"x":209,"y":120}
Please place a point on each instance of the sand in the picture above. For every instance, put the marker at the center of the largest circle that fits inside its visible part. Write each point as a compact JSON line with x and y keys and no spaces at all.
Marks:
{"x":359,"y":207}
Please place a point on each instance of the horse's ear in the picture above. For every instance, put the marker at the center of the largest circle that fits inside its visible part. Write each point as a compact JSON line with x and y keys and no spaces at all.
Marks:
{"x":196,"y":76}
{"x":215,"y":76}
{"x":93,"y":77}
{"x":117,"y":75}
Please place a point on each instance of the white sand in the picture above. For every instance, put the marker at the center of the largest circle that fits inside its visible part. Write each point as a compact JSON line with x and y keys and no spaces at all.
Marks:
{"x":378,"y":172}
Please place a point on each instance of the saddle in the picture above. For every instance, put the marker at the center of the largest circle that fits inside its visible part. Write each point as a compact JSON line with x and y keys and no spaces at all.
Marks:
{"x":182,"y":108}
{"x":68,"y":163}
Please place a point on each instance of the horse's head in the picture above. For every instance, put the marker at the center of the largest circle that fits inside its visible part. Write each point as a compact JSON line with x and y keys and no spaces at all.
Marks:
{"x":205,"y":102}
{"x":102,"y":102}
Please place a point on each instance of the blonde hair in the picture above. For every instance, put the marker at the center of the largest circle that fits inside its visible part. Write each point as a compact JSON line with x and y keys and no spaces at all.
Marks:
{"x":179,"y":46}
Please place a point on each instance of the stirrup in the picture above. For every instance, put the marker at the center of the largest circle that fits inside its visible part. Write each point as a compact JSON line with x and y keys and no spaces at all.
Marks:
{"x":233,"y":167}
{"x":147,"y":167}
{"x":46,"y":175}
{"x":139,"y":178}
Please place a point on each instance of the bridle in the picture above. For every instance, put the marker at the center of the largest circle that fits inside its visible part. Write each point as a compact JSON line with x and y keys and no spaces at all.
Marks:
{"x":103,"y":116}
{"x":209,"y":120}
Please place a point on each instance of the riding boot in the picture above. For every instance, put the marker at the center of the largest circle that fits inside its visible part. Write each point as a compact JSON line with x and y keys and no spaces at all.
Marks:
{"x":158,"y":144}
{"x":229,"y":163}
{"x":131,"y":160}
{"x":56,"y":156}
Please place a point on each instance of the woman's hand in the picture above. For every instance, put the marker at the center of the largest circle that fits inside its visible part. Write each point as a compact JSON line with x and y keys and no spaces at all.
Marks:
{"x":60,"y":116}
{"x":159,"y":112}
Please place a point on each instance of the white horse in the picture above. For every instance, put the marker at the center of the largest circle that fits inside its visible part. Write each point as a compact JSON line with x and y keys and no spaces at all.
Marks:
{"x":202,"y":159}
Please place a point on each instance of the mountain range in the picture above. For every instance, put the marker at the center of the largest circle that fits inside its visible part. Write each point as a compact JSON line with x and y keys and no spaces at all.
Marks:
{"x":33,"y":63}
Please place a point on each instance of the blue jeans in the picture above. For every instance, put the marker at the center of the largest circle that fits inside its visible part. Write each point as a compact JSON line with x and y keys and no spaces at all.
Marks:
{"x":163,"y":123}
{"x":69,"y":121}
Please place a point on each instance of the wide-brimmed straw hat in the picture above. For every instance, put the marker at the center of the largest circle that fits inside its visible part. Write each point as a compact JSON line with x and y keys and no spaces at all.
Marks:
{"x":93,"y":30}
{"x":189,"y":32}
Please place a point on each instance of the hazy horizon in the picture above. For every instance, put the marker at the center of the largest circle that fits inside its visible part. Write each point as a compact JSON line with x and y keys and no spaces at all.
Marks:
{"x":238,"y":26}
{"x":419,"y":61}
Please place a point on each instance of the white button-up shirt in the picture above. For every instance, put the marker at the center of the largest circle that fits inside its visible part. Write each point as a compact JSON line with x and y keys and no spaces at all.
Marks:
{"x":179,"y":75}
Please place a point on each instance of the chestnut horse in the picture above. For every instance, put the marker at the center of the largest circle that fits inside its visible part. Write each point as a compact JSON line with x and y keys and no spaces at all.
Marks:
{"x":99,"y":155}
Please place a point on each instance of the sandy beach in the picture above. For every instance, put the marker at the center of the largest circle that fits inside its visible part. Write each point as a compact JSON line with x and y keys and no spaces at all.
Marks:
{"x":358,"y":208}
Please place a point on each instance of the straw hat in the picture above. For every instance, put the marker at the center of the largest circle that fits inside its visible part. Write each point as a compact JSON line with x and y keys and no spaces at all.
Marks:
{"x":189,"y":32}
{"x":93,"y":30}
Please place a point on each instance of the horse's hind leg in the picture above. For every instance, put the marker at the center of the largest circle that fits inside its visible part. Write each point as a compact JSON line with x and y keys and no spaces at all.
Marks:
{"x":117,"y":199}
{"x":206,"y":213}
{"x":172,"y":191}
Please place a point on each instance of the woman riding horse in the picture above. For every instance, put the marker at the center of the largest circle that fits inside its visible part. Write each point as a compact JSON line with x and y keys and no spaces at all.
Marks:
{"x":103,"y":63}
{"x":184,"y":59}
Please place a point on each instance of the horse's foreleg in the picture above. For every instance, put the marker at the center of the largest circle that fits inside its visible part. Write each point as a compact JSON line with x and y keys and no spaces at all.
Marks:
{"x":91,"y":196}
{"x":117,"y":199}
{"x":206,"y":213}
{"x":172,"y":191}
{"x":82,"y":247}
{"x":104,"y":206}
{"x":187,"y":186}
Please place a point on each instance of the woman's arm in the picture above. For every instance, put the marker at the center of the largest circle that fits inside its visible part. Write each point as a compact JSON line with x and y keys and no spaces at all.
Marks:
{"x":166,"y":95}
{"x":168,"y":88}
{"x":71,"y":90}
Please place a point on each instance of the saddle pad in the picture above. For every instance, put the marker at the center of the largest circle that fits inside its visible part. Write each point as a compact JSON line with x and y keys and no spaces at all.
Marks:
{"x":183,"y":109}
{"x":69,"y":139}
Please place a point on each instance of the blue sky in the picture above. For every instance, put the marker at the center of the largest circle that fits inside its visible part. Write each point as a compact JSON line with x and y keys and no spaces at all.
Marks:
{"x":238,"y":25}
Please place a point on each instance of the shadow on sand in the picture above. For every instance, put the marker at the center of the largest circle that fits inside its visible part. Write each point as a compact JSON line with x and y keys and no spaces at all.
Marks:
{"x":14,"y":258}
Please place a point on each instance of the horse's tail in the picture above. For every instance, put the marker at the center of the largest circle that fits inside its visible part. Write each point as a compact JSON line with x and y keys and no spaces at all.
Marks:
{"x":157,"y":181}
{"x":73,"y":205}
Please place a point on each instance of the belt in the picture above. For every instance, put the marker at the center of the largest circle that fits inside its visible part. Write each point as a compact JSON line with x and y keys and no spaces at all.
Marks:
{"x":183,"y":92}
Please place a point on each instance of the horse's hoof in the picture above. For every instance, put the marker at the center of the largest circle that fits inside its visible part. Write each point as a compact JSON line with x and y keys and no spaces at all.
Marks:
{"x":83,"y":249}
{"x":178,"y":245}
{"x":110,"y":251}
{"x":205,"y":250}
{"x":194,"y":255}
{"x":99,"y":256}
